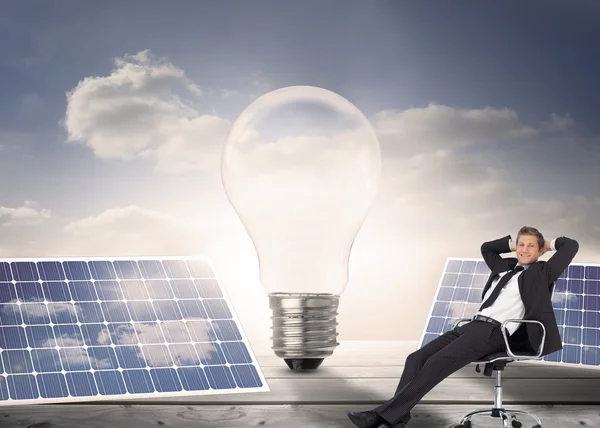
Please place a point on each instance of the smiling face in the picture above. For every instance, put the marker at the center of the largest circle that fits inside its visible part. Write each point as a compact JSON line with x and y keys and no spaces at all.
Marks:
{"x":528,"y":250}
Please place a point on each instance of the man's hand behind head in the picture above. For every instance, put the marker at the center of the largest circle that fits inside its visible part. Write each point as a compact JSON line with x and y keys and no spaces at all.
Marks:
{"x":547,"y":247}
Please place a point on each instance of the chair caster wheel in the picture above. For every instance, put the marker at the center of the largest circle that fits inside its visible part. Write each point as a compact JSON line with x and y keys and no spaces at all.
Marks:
{"x":467,"y":424}
{"x":516,"y":424}
{"x":537,"y":426}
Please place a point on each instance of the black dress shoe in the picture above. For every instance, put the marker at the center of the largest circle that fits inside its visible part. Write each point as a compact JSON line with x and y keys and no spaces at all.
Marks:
{"x":368,"y":419}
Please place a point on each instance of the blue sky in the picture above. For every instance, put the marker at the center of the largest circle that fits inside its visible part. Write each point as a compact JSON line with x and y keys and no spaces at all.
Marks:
{"x":380,"y":54}
{"x":507,"y":91}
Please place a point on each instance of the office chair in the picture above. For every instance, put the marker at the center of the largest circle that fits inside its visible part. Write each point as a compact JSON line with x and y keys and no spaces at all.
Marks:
{"x":496,"y":362}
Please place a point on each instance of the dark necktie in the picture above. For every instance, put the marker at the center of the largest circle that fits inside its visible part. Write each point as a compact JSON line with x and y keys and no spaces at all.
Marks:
{"x":503,"y":281}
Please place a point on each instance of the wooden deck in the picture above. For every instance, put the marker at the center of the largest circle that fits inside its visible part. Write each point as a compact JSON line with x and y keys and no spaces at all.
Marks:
{"x":358,"y":376}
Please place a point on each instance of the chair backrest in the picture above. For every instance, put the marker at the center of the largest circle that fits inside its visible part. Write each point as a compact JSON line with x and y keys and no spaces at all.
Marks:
{"x":500,"y":364}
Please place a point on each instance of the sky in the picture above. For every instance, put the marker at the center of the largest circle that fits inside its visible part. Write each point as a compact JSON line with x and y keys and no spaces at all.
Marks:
{"x":113,"y":116}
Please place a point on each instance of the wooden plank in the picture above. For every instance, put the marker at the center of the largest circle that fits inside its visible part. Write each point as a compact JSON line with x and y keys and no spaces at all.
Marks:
{"x":354,"y":353}
{"x":385,"y":359}
{"x":370,"y":390}
{"x":288,"y":416}
{"x":517,"y":370}
{"x":389,"y":354}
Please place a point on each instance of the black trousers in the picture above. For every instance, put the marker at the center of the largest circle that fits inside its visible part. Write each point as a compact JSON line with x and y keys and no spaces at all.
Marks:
{"x":435,"y":361}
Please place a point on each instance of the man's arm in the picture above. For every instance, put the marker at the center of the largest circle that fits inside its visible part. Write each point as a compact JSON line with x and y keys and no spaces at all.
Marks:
{"x":491,"y":251}
{"x":566,"y":249}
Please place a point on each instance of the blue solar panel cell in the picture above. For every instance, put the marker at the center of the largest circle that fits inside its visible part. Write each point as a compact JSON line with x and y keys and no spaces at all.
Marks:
{"x":102,"y":270}
{"x":75,"y":329}
{"x":246,"y":375}
{"x":51,"y":271}
{"x":110,"y":382}
{"x":194,"y":379}
{"x":592,"y":273}
{"x":176,"y":269}
{"x":8,"y":292}
{"x":77,"y":270}
{"x":236,"y":353}
{"x":30,"y":292}
{"x":209,"y":289}
{"x":482,"y":268}
{"x":464,"y":280}
{"x":108,"y":290}
{"x":184,"y":289}
{"x":133,"y":290}
{"x":200,"y":269}
{"x":5,"y":272}
{"x":10,"y":315}
{"x":127,"y":269}
{"x":468,"y":267}
{"x":52,"y":385}
{"x":152,"y":269}
{"x":575,"y":272}
{"x":83,"y":291}
{"x":576,"y":303}
{"x":24,"y":271}
{"x":12,"y":338}
{"x":22,"y":387}
{"x":56,"y":291}
{"x":453,"y":266}
{"x":159,"y":289}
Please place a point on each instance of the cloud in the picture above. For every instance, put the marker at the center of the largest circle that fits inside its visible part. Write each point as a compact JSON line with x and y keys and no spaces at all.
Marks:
{"x":141,"y":110}
{"x":429,"y":182}
{"x":558,"y":123}
{"x":25,"y":215}
{"x":437,"y":205}
{"x":440,"y":127}
{"x":450,"y":194}
{"x":131,"y":230}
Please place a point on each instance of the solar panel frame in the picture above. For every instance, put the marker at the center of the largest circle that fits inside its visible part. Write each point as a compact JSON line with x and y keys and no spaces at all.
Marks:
{"x":12,"y":293}
{"x":574,"y":276}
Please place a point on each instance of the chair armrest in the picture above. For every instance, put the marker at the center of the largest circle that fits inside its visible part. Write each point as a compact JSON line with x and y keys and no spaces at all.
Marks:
{"x":461,"y":321}
{"x":509,"y":351}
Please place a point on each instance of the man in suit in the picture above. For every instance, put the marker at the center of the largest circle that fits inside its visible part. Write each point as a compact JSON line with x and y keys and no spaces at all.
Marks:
{"x":517,"y":288}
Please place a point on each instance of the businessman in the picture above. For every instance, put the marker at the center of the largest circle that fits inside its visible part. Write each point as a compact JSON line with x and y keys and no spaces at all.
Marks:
{"x":517,"y":288}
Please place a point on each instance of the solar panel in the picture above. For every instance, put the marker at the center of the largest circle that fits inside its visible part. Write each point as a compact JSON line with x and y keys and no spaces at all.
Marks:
{"x":576,"y":303}
{"x":113,"y":328}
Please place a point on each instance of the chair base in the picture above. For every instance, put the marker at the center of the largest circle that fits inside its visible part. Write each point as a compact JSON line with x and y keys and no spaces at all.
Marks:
{"x":505,"y":414}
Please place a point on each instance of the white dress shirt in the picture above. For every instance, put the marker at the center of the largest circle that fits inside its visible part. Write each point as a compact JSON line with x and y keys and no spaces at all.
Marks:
{"x":508,"y":305}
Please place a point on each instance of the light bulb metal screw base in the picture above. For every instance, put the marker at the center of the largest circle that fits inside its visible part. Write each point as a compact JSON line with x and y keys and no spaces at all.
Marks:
{"x":304,"y":328}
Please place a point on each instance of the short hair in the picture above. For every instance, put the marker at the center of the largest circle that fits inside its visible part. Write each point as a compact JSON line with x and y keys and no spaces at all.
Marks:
{"x":531,"y":231}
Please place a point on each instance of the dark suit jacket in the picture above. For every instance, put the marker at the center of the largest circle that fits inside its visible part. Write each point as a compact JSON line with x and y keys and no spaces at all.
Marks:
{"x":535,"y":286}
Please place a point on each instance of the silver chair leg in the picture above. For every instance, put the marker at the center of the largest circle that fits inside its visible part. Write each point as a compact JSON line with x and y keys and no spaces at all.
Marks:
{"x":514,"y":414}
{"x":507,"y":415}
{"x":499,"y":409}
{"x":475,"y":412}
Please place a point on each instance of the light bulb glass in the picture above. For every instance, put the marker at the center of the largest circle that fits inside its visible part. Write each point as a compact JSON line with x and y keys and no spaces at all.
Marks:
{"x":301,"y":166}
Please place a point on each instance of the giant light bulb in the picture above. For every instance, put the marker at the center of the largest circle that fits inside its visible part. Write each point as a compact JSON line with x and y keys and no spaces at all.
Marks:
{"x":301,"y":166}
